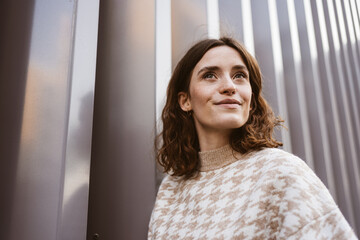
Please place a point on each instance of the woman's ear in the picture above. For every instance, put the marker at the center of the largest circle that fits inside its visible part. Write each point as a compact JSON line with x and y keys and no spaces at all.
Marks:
{"x":184,"y":101}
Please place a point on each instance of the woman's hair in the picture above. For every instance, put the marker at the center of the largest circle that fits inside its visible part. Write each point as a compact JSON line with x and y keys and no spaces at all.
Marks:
{"x":177,"y":146}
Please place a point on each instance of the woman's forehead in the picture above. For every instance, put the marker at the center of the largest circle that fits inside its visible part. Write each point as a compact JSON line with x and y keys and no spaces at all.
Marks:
{"x":220,"y":57}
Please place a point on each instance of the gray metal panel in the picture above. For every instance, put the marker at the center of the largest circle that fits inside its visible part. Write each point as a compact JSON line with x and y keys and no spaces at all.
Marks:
{"x":351,"y":28}
{"x":74,"y":206}
{"x":331,"y":100}
{"x":37,"y":183}
{"x":189,"y":25}
{"x":348,"y":127}
{"x":231,"y":19}
{"x":236,"y":21}
{"x":40,"y":81}
{"x":314,"y":96}
{"x":268,"y":53}
{"x":15,"y":38}
{"x":122,"y":184}
{"x":294,"y":85}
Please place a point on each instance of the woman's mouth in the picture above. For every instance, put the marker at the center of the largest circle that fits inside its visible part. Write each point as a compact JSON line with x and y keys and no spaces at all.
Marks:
{"x":229,"y":103}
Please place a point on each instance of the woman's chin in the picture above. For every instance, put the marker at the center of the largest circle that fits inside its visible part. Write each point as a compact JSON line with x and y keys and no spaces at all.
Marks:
{"x":231,"y":123}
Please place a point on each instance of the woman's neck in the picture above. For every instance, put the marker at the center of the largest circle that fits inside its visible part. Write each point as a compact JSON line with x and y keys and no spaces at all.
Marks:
{"x":213,"y":140}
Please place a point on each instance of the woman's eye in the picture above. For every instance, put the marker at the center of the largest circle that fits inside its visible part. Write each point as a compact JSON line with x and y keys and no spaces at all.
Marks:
{"x":240,"y":75}
{"x":209,"y":75}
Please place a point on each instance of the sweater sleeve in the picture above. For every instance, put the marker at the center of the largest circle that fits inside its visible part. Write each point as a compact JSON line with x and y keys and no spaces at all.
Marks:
{"x":307,"y":209}
{"x":159,"y":207}
{"x":329,"y":226}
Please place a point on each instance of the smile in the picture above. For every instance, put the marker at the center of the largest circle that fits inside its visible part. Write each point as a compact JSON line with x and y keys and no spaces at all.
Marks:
{"x":228,"y":102}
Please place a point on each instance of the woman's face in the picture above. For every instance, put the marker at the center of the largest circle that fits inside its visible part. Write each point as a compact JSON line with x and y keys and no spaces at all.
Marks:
{"x":220,"y":92}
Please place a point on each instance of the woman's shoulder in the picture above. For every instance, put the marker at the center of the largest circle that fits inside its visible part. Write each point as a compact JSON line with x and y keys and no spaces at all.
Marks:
{"x":275,"y":157}
{"x":275,"y":153}
{"x":278,"y":165}
{"x":291,"y":173}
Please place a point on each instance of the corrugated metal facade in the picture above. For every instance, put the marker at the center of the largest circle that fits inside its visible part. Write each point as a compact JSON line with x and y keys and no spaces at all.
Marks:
{"x":309,"y":53}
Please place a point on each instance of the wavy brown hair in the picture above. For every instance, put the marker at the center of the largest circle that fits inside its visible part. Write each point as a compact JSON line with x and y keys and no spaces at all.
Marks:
{"x":177,"y":146}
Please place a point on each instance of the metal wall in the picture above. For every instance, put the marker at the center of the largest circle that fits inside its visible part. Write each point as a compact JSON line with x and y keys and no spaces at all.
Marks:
{"x":309,"y":53}
{"x":122,"y":185}
{"x":47,"y":76}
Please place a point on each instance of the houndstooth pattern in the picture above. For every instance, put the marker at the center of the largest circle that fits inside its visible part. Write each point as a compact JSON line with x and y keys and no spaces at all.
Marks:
{"x":269,"y":194}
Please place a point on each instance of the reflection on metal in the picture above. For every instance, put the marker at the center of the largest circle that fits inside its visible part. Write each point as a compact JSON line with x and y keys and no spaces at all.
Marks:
{"x":350,"y":26}
{"x":348,"y":132}
{"x":74,"y":206}
{"x":248,"y":26}
{"x":355,"y":17}
{"x":279,"y":72}
{"x":335,"y":114}
{"x":46,"y":99}
{"x":122,"y":183}
{"x":188,"y":25}
{"x":319,"y":113}
{"x":304,"y":119}
{"x":50,"y":148}
{"x":41,"y":150}
{"x":213,"y":18}
{"x":163,"y":53}
{"x":162,"y":61}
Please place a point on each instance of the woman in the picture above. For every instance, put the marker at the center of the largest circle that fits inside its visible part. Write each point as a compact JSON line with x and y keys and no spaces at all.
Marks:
{"x":226,"y":179}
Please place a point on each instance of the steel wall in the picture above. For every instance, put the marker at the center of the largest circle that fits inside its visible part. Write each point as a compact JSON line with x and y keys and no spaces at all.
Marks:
{"x":46,"y":105}
{"x":122,"y":185}
{"x":309,"y":52}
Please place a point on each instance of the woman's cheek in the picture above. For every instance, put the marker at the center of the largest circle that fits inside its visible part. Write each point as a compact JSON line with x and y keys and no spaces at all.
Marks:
{"x":245,"y":93}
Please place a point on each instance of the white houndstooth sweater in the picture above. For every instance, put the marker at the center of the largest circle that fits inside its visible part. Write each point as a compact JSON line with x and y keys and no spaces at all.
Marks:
{"x":269,"y":194}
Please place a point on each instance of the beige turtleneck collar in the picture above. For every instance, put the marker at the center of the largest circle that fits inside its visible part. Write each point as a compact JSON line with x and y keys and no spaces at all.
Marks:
{"x":218,"y":158}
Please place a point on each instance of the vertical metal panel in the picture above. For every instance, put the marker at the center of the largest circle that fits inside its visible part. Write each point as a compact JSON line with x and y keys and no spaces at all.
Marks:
{"x":355,"y":7}
{"x":37,"y":168}
{"x":333,"y":120}
{"x":334,"y":127}
{"x":74,"y":204}
{"x":213,"y":22}
{"x":351,"y":29}
{"x":122,"y":184}
{"x":15,"y":32}
{"x":300,"y":84}
{"x":231,"y":22}
{"x":265,"y":28}
{"x":314,"y":96}
{"x":349,"y":76}
{"x":163,"y":53}
{"x":264,"y":51}
{"x":293,"y":84}
{"x":162,"y":63}
{"x":344,"y":105}
{"x":248,"y":26}
{"x":188,"y":24}
{"x":279,"y":71}
{"x":37,"y":190}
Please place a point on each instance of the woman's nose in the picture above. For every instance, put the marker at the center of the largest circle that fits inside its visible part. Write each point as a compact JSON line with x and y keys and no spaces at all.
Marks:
{"x":228,"y":86}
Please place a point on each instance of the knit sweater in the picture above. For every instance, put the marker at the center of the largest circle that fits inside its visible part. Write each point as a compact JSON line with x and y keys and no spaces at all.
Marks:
{"x":268,"y":194}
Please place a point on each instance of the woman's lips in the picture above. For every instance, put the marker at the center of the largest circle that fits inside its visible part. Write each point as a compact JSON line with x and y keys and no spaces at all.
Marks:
{"x":229,"y":103}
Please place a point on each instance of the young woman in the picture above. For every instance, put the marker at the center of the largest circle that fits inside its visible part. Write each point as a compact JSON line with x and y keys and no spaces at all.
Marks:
{"x":226,"y":178}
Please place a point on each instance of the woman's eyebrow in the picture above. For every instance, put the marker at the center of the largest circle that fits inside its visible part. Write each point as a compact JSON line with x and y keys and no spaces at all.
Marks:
{"x":208,"y":68}
{"x":240,"y":67}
